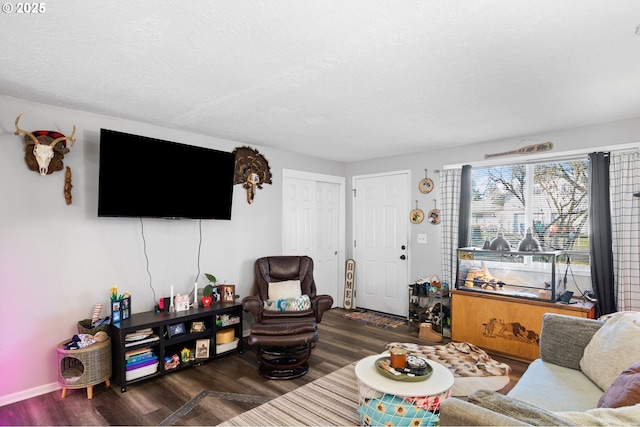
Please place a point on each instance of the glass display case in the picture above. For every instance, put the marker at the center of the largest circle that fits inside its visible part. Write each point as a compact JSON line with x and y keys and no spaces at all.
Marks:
{"x":531,"y":275}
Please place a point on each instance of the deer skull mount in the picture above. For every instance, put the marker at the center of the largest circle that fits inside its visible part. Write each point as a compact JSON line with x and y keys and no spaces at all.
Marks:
{"x":43,"y":153}
{"x":251,"y":170}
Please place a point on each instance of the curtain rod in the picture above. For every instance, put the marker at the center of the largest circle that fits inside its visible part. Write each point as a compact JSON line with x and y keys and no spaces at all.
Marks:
{"x":535,"y":158}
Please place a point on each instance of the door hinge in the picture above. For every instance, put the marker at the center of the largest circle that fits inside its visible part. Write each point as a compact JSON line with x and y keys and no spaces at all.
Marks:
{"x":354,"y":192}
{"x":354,"y":243}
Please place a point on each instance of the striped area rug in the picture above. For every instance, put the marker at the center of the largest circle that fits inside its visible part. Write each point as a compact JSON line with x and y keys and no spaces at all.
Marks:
{"x":375,"y":319}
{"x":330,"y":400}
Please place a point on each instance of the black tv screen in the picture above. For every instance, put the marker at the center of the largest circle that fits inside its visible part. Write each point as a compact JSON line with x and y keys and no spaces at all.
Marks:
{"x":148,"y":177}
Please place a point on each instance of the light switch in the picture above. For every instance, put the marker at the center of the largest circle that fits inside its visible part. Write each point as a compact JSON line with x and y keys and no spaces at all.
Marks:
{"x":422,"y":238}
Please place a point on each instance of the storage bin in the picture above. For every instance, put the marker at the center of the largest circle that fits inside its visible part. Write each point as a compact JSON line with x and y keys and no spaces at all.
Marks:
{"x":221,"y":348}
{"x":225,"y":336}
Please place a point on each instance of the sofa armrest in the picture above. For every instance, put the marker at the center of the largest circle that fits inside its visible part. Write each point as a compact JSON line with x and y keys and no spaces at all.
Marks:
{"x":563,"y":338}
{"x":253,"y":305}
{"x":457,"y":412}
{"x":320,"y":304}
{"x":491,"y":408}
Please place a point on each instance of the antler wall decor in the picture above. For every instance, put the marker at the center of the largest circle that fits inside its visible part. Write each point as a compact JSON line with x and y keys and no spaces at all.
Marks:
{"x":45,"y":149}
{"x":251,"y":170}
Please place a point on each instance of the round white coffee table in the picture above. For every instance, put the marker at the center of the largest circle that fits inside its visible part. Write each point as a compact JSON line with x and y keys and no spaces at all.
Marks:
{"x":384,"y":400}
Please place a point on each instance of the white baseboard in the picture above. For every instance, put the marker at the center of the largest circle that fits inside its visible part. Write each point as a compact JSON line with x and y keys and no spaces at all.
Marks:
{"x":44,"y":389}
{"x":27,"y":394}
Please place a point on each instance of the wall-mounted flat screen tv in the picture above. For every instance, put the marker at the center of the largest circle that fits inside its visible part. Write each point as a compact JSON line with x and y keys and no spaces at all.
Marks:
{"x":153,"y":178}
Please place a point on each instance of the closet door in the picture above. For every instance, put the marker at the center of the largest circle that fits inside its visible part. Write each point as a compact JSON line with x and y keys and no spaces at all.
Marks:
{"x":313,"y":213}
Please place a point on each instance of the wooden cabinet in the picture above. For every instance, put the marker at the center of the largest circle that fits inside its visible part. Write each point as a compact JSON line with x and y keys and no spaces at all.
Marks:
{"x":166,"y":334}
{"x":505,"y":325}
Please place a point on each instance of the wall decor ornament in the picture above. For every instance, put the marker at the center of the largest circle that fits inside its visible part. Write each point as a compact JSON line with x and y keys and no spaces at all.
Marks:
{"x":434,"y":214}
{"x":350,"y":270}
{"x":416,"y":215}
{"x":529,"y":149}
{"x":426,"y":184}
{"x":67,"y":185}
{"x":251,"y":170}
{"x":45,"y":149}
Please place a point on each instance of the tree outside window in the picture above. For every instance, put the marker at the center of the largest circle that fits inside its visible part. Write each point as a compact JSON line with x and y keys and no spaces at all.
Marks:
{"x":550,"y":198}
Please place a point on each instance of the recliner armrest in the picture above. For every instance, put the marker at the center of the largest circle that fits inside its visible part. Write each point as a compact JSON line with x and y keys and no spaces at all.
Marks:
{"x":253,"y":305}
{"x":320,"y":304}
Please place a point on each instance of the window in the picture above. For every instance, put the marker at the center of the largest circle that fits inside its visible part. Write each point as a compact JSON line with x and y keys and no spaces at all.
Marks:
{"x":549,"y":198}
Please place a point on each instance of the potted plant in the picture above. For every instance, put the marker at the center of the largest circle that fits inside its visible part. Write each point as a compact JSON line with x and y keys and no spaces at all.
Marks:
{"x":207,"y":292}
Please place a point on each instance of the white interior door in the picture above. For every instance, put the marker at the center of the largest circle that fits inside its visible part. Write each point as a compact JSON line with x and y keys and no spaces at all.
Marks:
{"x":381,"y":217}
{"x":313,"y":225}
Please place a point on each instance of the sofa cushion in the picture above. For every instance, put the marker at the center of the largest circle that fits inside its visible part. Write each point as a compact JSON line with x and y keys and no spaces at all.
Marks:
{"x":556,"y":388}
{"x":624,"y":391}
{"x":285,"y":289}
{"x":556,"y":348}
{"x":613,"y":348}
{"x":624,"y":416}
{"x":517,"y":409}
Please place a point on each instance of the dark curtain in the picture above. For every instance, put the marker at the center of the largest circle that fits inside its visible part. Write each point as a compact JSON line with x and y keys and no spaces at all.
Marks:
{"x":464,"y":221}
{"x":600,"y":242}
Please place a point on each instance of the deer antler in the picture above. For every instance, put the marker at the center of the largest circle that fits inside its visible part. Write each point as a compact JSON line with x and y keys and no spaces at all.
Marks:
{"x":24,"y":132}
{"x":62,"y":138}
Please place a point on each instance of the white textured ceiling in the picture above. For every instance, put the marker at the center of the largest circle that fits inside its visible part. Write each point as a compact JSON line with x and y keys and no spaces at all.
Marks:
{"x":344,"y":80}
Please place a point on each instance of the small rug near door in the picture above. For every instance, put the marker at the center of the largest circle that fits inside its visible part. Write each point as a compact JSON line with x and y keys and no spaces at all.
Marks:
{"x":375,"y":319}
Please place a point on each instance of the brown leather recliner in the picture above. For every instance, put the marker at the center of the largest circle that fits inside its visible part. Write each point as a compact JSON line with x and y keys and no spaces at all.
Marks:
{"x":284,"y":339}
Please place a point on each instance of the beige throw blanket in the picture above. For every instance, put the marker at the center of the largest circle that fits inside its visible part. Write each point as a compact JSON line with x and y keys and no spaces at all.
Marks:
{"x":461,"y":358}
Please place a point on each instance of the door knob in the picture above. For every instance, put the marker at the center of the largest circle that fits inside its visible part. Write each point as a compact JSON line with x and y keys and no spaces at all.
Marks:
{"x":403,"y":257}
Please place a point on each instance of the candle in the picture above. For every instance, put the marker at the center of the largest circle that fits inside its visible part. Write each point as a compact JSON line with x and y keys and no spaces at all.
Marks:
{"x":195,"y":295}
{"x":398,"y":358}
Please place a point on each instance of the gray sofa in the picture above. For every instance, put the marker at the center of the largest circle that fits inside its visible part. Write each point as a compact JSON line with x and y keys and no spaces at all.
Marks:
{"x":552,"y":391}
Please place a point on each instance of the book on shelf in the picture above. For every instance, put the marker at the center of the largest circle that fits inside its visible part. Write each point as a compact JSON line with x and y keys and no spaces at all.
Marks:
{"x":151,"y":338}
{"x":137,"y":351}
{"x":138,"y":357}
{"x":141,"y":364}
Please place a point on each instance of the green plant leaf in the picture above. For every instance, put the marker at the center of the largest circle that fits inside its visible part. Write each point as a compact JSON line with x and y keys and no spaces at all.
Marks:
{"x":207,"y":291}
{"x":211,"y":277}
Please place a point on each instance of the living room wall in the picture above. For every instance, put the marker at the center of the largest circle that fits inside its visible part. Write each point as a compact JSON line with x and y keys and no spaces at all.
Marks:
{"x":425,"y":260}
{"x":58,"y":260}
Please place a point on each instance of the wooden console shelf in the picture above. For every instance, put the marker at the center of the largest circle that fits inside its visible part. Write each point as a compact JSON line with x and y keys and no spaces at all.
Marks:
{"x":164,"y":346}
{"x":505,"y":325}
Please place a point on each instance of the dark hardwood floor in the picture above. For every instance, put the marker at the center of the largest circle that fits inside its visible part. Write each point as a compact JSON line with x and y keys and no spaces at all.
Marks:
{"x":218,"y":390}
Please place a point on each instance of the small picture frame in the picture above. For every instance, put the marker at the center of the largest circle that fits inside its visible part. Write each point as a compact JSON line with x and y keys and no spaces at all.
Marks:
{"x":197,"y":327}
{"x":202,"y":349}
{"x":125,"y":308}
{"x":228,"y":293}
{"x":216,"y":293}
{"x":175,"y":330}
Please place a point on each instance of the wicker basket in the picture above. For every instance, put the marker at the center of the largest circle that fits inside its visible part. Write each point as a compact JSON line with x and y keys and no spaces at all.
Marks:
{"x":84,"y":367}
{"x":84,"y":327}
